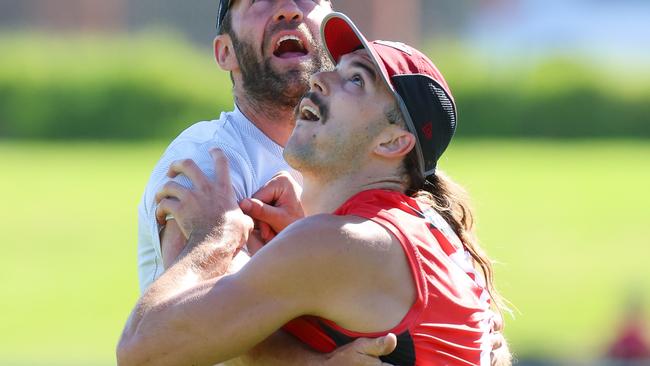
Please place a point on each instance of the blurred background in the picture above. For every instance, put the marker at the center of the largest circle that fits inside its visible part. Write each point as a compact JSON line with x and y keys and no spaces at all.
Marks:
{"x":553,"y":144}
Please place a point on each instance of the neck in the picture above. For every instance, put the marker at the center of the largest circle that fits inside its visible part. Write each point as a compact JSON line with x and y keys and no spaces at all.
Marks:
{"x":326,"y":195}
{"x":276,"y":122}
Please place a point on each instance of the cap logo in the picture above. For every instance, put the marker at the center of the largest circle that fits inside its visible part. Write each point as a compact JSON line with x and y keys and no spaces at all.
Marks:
{"x":427,"y":130}
{"x":397,"y":45}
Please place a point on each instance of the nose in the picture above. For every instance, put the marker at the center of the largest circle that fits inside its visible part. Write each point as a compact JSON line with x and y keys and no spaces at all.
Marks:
{"x":317,"y":83}
{"x":288,"y":10}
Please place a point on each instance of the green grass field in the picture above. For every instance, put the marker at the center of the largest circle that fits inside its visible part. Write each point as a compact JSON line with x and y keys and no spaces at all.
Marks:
{"x":568,"y":222}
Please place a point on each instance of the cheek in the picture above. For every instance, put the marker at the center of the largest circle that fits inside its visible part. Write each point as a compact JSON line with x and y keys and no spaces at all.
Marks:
{"x":253,"y":24}
{"x":351,"y":107}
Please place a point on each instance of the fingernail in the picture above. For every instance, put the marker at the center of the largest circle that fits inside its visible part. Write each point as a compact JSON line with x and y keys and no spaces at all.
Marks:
{"x":245,"y":204}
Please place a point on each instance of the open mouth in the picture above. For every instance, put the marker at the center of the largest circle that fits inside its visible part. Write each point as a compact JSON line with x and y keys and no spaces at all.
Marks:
{"x":289,"y":46}
{"x":309,"y":113}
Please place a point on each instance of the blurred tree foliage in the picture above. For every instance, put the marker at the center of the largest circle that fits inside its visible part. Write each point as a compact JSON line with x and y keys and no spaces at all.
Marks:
{"x":153,"y":85}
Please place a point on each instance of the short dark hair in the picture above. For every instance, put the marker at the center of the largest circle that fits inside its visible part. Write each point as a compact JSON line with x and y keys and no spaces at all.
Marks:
{"x":394,"y":115}
{"x":226,"y":25}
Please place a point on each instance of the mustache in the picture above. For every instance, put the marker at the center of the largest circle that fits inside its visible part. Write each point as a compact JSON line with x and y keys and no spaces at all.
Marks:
{"x":323,"y":108}
{"x":284,"y":25}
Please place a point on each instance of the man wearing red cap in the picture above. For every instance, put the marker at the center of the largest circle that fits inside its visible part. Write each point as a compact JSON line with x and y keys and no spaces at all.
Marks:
{"x":387,"y":247}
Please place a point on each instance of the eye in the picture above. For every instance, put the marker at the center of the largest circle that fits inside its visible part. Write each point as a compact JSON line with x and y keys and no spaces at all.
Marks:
{"x":357,"y":79}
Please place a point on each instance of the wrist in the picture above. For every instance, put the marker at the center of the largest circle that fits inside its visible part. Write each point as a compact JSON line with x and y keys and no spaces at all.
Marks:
{"x":235,"y":228}
{"x":220,"y":243}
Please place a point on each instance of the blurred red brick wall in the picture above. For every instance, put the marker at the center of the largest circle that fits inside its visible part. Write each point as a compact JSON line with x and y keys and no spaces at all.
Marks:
{"x":101,"y":15}
{"x":385,"y":19}
{"x":378,"y":19}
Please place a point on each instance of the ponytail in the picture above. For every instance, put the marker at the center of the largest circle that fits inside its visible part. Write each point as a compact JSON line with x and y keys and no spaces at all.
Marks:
{"x":452,"y":202}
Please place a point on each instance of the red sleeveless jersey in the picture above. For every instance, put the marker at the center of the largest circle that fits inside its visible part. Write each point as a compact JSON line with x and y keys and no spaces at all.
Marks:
{"x":449,"y":322}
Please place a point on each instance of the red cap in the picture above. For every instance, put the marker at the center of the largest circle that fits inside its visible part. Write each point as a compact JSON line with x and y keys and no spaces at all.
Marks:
{"x":420,"y":89}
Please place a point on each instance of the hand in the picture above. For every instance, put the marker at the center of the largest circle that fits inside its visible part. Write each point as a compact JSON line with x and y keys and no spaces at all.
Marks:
{"x":255,"y":241}
{"x":275,"y":206}
{"x":363,"y":352}
{"x":209,"y":207}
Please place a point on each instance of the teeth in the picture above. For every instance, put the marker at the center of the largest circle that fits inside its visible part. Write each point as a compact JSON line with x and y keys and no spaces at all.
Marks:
{"x":289,"y":37}
{"x":311,"y":110}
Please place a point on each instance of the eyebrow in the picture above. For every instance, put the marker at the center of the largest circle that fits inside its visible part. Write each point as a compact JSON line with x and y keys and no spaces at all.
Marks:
{"x":369,"y":70}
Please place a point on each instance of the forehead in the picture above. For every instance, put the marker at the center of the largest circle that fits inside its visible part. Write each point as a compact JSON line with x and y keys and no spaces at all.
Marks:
{"x":360,"y":56}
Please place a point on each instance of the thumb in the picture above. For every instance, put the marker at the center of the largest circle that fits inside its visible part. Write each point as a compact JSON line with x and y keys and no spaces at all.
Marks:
{"x":389,"y":343}
{"x":259,"y":210}
{"x":376,"y":347}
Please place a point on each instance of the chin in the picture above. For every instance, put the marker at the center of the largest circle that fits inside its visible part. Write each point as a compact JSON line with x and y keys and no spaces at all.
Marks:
{"x":299,"y":156}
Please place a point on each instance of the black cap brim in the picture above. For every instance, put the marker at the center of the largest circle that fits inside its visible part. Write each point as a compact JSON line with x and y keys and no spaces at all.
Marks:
{"x":224,"y":5}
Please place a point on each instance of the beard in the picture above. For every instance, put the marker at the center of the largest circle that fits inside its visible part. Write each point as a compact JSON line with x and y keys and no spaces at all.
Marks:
{"x":267,"y":86}
{"x":325,"y":160}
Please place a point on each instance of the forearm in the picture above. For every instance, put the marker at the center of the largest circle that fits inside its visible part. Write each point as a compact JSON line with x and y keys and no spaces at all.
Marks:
{"x":280,"y":349}
{"x":197,"y":262}
{"x":158,"y":314}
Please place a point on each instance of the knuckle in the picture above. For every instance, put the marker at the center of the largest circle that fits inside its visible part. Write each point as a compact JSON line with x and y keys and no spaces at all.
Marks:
{"x":187,"y":163}
{"x":222,"y":160}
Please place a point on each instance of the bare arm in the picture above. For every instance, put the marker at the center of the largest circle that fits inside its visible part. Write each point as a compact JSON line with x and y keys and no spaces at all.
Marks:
{"x":191,"y":277}
{"x":206,"y":257}
{"x":208,"y":321}
{"x":282,"y":350}
{"x":213,"y":320}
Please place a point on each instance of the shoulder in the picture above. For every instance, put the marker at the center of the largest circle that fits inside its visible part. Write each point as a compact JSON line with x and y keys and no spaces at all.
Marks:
{"x":195,"y":143}
{"x":202,"y":135}
{"x":330,"y":264}
{"x":349,"y":229}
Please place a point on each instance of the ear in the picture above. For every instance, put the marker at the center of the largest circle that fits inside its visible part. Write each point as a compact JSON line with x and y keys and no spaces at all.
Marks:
{"x":396,"y":143}
{"x":224,"y":53}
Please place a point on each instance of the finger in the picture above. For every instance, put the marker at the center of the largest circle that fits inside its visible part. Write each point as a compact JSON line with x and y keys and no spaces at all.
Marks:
{"x":266,"y":231}
{"x":188,"y":168}
{"x":165,"y":207}
{"x":221,"y":167}
{"x":271,"y":191}
{"x":389,"y":343}
{"x":376,"y":347}
{"x":171,"y":189}
{"x":255,"y":242}
{"x":261,"y":211}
